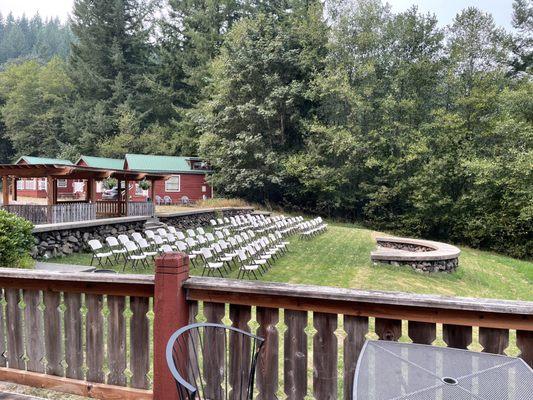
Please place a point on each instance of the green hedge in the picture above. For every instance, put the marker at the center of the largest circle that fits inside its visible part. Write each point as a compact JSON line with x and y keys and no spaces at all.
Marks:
{"x":16,"y":239}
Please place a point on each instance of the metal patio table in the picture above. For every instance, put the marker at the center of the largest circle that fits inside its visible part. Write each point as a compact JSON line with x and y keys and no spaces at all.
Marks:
{"x":391,"y":370}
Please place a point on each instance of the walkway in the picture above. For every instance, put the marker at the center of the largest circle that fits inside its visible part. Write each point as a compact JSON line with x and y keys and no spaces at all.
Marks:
{"x":53,"y":267}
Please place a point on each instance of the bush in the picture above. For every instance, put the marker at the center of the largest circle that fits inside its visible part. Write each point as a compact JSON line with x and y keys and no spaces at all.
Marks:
{"x":16,"y":239}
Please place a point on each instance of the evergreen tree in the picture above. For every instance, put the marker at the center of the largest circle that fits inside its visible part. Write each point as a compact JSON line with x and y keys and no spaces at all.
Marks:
{"x":110,"y":65}
{"x":33,"y":101}
{"x":522,"y":44}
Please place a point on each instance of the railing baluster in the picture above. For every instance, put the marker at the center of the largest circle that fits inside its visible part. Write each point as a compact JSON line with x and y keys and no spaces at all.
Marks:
{"x":457,"y":336}
{"x":267,"y":365}
{"x":139,"y":342}
{"x":33,"y":322}
{"x":213,"y":351}
{"x":116,"y":340}
{"x":494,"y":340}
{"x":325,"y":356}
{"x":52,"y":336}
{"x":295,"y":355}
{"x":356,"y":329}
{"x":15,"y":336}
{"x":239,"y":351}
{"x":422,"y":332}
{"x":388,"y":329}
{"x":73,"y":336}
{"x":524,"y":341}
{"x":95,"y":338}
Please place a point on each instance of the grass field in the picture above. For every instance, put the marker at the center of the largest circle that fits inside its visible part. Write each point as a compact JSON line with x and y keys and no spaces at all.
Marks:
{"x":341,"y":257}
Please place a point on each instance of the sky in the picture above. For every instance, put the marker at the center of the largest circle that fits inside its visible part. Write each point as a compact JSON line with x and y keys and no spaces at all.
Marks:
{"x":444,"y":9}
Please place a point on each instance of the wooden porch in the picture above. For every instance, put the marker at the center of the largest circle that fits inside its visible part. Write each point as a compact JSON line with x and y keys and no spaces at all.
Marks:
{"x":56,"y":210}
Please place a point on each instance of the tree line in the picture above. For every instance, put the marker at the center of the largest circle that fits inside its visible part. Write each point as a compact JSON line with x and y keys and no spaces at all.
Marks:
{"x":344,"y":108}
{"x":23,"y":38}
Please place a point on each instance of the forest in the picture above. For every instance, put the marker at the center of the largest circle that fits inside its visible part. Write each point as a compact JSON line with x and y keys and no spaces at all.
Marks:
{"x":343,"y":108}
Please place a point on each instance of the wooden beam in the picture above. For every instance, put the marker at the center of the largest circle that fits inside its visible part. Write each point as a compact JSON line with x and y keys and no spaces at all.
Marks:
{"x":15,"y":190}
{"x":50,"y":190}
{"x":5,"y":190}
{"x":73,"y":386}
{"x":489,"y":313}
{"x":105,"y":284}
{"x":422,"y":314}
{"x":89,"y":190}
{"x":126,"y":196}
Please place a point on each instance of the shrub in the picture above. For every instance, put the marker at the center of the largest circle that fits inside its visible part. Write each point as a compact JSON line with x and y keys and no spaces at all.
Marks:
{"x":16,"y":239}
{"x":222,"y":202}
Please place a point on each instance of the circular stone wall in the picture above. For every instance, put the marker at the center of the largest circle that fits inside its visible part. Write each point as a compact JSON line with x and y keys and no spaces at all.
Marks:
{"x":421,"y":255}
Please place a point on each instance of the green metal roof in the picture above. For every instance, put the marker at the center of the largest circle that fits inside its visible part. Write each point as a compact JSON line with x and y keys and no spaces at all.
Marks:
{"x":43,"y":160}
{"x":102,"y":162}
{"x":173,"y":164}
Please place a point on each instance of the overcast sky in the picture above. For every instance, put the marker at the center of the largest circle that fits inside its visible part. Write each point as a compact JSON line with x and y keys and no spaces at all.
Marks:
{"x":444,"y":9}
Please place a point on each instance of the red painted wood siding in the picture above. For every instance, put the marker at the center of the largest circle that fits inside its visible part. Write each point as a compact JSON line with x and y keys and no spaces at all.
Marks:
{"x":190,"y":186}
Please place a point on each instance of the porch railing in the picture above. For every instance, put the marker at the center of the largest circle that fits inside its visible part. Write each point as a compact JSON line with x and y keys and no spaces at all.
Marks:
{"x":92,"y":335}
{"x":311,"y":330}
{"x":110,"y":208}
{"x":140,"y":208}
{"x":35,"y":213}
{"x":73,"y":211}
{"x":107,"y":209}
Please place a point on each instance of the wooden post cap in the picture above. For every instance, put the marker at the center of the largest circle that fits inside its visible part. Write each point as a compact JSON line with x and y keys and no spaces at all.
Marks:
{"x":172,"y":263}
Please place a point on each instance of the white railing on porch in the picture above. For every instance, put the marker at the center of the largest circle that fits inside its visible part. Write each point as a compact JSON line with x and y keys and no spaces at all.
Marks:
{"x":78,"y":211}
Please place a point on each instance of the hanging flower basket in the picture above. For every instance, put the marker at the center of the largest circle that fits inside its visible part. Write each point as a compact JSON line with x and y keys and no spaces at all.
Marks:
{"x":144,"y":184}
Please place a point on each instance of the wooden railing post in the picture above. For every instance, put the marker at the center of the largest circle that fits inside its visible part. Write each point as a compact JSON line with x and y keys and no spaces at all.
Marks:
{"x":171,"y":312}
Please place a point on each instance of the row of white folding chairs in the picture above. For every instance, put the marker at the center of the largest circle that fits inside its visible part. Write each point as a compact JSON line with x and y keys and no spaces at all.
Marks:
{"x":121,"y":248}
{"x":256,"y":255}
{"x":313,"y":227}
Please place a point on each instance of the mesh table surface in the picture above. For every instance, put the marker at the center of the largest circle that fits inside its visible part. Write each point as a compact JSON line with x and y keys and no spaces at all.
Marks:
{"x":392,"y":370}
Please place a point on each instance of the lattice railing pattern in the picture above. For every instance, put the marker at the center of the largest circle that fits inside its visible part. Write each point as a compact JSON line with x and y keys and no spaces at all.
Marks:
{"x":313,"y":355}
{"x":93,"y":337}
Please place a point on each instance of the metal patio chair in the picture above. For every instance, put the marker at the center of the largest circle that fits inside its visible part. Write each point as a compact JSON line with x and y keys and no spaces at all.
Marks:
{"x":212,"y":361}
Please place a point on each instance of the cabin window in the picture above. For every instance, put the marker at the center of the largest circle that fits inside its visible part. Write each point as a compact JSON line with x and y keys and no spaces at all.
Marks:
{"x":42,"y":184}
{"x":204,"y":188}
{"x":30,"y":184}
{"x":20,"y":184}
{"x":61,"y":183}
{"x":99,"y":187}
{"x":172,"y":184}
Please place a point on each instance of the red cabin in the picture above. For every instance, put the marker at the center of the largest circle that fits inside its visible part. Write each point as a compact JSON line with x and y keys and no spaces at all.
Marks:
{"x":187,"y":182}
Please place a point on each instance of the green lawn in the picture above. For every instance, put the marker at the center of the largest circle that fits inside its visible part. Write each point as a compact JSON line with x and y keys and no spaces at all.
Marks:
{"x":341,"y":257}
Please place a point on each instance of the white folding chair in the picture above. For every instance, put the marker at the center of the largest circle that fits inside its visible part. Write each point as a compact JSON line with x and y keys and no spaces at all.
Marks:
{"x":98,"y":253}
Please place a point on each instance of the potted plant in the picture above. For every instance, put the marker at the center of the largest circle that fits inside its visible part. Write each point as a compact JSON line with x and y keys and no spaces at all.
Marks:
{"x":144,"y":184}
{"x":110,"y":183}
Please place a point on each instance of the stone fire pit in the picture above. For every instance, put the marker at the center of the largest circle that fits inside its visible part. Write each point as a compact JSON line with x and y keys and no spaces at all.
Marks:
{"x":422,"y":255}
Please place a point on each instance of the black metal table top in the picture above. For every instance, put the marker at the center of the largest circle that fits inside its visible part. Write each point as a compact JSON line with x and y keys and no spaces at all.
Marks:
{"x":401,"y":371}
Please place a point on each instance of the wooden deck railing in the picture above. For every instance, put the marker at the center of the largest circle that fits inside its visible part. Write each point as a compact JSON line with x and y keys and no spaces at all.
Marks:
{"x":86,"y":334}
{"x":310,"y":330}
{"x":43,"y":214}
{"x":35,"y":213}
{"x":140,"y":208}
{"x":90,"y":334}
{"x":110,"y":208}
{"x":73,"y":211}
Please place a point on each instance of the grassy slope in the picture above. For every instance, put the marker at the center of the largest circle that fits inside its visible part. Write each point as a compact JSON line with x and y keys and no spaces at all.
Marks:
{"x":341,"y":258}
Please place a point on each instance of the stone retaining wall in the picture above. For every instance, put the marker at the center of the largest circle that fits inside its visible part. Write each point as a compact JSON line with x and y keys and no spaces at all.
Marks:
{"x":194,"y":219}
{"x":427,"y":266}
{"x":56,"y":240}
